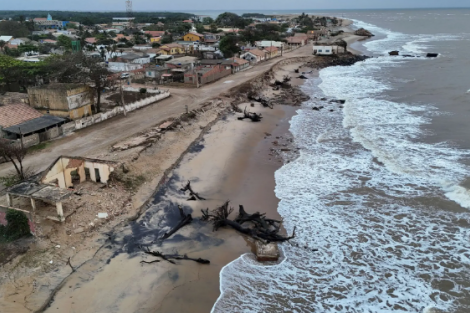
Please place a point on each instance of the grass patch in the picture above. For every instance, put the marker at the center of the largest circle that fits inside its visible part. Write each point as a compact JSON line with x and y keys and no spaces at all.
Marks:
{"x":38,"y":147}
{"x":10,"y":180}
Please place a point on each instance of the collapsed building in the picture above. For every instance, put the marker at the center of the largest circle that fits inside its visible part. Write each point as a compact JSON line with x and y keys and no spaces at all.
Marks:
{"x":57,"y":183}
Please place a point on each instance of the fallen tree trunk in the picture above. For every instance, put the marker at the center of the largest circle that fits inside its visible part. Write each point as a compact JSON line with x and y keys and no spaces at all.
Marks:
{"x":263,"y":229}
{"x":170,"y":257}
{"x":185,"y":220}
{"x":193,"y":195}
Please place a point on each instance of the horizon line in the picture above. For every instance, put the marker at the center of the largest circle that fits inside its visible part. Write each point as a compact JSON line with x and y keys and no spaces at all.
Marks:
{"x":228,"y":10}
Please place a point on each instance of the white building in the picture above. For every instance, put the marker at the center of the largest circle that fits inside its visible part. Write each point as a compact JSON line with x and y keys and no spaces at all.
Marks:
{"x":6,"y":38}
{"x":123,"y":67}
{"x":266,"y":44}
{"x":323,"y":50}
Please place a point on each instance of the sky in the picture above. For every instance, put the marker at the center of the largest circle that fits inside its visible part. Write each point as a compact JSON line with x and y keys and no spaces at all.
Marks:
{"x":192,"y":5}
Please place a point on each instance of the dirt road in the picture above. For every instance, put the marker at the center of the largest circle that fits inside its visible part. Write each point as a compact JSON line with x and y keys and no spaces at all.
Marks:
{"x":99,"y":137}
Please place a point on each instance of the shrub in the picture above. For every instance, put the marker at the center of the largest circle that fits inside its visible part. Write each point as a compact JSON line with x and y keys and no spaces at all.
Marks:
{"x":143,"y":90}
{"x":17,"y":227}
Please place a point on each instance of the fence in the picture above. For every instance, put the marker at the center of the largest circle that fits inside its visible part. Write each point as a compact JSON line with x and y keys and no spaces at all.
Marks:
{"x":91,"y":120}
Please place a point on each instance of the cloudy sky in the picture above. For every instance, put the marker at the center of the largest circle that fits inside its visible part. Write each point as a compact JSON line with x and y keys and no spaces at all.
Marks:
{"x":191,"y":5}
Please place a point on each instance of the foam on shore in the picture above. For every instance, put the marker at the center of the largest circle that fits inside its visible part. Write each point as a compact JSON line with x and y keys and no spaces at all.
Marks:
{"x":367,"y":193}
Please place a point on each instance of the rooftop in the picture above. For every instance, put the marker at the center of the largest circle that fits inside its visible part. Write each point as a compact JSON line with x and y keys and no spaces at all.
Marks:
{"x":183,"y":60}
{"x":14,"y":114}
{"x":34,"y":125}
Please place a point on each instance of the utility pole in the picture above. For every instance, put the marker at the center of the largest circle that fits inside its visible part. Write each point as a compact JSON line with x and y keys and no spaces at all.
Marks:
{"x":122,"y":98}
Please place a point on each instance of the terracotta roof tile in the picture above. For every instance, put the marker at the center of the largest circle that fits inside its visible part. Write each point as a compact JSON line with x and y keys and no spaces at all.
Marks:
{"x":14,"y":114}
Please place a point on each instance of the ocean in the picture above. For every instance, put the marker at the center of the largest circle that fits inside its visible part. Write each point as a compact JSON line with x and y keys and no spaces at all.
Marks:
{"x":381,"y":186}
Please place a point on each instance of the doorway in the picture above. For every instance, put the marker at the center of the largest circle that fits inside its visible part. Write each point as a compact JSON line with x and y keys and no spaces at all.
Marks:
{"x":97,"y":175}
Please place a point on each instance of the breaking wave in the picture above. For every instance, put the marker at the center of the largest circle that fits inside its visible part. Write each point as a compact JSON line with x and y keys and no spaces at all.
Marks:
{"x":372,"y":198}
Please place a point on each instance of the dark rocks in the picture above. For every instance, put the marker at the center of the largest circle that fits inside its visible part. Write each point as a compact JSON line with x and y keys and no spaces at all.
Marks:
{"x":302,"y":77}
{"x":323,"y":99}
{"x":338,"y":101}
{"x":316,"y":109}
{"x":394,"y":53}
{"x":432,"y":55}
{"x":363,"y":32}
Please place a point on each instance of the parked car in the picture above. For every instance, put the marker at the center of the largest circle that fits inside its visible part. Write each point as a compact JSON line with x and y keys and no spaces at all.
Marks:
{"x":125,"y":75}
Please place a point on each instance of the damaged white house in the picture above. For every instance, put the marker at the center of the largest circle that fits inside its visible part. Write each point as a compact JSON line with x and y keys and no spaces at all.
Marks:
{"x":55,"y":185}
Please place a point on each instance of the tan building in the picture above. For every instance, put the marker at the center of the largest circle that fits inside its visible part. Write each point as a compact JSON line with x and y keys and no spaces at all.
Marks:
{"x":72,"y":101}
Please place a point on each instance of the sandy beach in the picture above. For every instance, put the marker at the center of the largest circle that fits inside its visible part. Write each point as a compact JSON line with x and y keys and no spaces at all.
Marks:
{"x":225,"y":159}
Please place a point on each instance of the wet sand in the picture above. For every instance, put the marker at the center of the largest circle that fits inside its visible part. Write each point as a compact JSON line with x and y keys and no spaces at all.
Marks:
{"x":232,"y":163}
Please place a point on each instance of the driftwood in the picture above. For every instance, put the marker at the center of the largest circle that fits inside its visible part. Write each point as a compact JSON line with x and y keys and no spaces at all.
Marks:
{"x":262,"y":228}
{"x":255,"y":117}
{"x":264,"y":101}
{"x":193,"y":195}
{"x":185,"y":220}
{"x":170,"y":257}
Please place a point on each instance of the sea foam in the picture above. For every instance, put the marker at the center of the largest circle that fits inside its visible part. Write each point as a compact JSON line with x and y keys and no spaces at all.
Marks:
{"x":365,"y":192}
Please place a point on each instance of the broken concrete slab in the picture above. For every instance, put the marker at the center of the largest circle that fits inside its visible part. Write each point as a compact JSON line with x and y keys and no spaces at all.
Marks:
{"x":266,"y":252}
{"x":79,"y":230}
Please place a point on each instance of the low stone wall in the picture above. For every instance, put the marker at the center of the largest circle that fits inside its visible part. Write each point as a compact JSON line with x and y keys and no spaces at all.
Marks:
{"x":97,"y":118}
{"x":31,"y":140}
{"x":149,"y":90}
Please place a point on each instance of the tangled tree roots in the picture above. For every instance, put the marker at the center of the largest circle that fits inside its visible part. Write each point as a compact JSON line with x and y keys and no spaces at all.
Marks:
{"x":193,"y":195}
{"x":185,"y":220}
{"x":255,"y":117}
{"x":262,"y":228}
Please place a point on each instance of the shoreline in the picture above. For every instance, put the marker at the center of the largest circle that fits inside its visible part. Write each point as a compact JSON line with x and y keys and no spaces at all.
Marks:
{"x":259,"y":148}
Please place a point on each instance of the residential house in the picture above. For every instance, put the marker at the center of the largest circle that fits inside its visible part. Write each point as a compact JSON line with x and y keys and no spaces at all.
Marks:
{"x":19,"y":41}
{"x":193,"y":36}
{"x":269,"y":43}
{"x":172,"y":49}
{"x":72,"y":101}
{"x":242,"y":64}
{"x":155,"y":33}
{"x":323,"y":50}
{"x":188,"y":21}
{"x":134,"y":58}
{"x":91,"y":40}
{"x":206,"y":74}
{"x":117,"y":67}
{"x":272,"y":52}
{"x":49,"y":41}
{"x":297,"y":41}
{"x":231,"y":63}
{"x":182,"y":65}
{"x":18,"y":120}
{"x":155,"y":39}
{"x":6,"y":39}
{"x":254,"y":56}
{"x":211,"y":39}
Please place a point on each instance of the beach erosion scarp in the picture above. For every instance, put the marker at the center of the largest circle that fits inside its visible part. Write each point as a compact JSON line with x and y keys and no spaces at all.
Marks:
{"x":226,"y":159}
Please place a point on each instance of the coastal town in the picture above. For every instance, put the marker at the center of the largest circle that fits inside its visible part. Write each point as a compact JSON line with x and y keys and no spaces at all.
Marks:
{"x":106,"y":122}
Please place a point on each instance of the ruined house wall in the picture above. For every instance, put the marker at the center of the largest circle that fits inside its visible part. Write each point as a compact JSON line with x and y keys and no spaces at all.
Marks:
{"x":62,"y":170}
{"x":67,"y":103}
{"x":56,"y":172}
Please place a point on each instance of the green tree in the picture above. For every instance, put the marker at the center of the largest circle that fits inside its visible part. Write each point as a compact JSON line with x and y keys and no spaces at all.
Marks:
{"x":65,"y":42}
{"x":228,"y":19}
{"x":13,"y":28}
{"x":200,"y":28}
{"x":2,"y":45}
{"x":207,"y":20}
{"x":213,"y":28}
{"x":229,"y":45}
{"x":167,"y":38}
{"x":17,"y":227}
